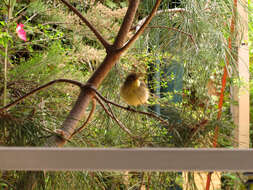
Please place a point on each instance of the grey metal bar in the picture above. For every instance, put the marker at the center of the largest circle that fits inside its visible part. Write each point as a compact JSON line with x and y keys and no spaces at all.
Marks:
{"x":139,"y":159}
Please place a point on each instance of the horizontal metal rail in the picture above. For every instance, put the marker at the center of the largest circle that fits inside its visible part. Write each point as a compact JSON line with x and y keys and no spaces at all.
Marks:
{"x":116,"y":159}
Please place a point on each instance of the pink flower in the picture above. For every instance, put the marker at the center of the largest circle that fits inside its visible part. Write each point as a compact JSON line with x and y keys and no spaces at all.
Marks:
{"x":21,"y":32}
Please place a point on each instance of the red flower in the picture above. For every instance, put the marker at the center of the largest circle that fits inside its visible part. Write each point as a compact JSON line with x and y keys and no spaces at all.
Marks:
{"x":21,"y":32}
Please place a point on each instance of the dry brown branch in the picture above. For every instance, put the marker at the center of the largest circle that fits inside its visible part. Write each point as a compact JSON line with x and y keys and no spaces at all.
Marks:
{"x":39,"y":89}
{"x":141,"y":30}
{"x":87,"y":120}
{"x":92,"y":28}
{"x":177,"y":30}
{"x":110,"y":113}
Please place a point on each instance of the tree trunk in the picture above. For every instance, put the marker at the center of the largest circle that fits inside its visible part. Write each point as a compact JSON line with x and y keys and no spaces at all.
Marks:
{"x":86,"y":94}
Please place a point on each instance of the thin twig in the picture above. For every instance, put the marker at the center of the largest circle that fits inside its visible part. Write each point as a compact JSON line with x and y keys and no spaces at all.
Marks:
{"x":97,"y":34}
{"x":18,"y":17}
{"x":115,"y":119}
{"x":87,"y":120}
{"x":177,"y":30}
{"x":34,"y":15}
{"x":39,"y":89}
{"x":140,"y":31}
{"x":128,"y":108}
{"x":174,"y":10}
{"x":119,"y":122}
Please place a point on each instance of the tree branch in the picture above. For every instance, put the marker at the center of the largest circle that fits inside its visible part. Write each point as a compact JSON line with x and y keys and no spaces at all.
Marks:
{"x":87,"y":120}
{"x":115,"y":119}
{"x":141,"y":30}
{"x":97,"y":34}
{"x":127,"y":23}
{"x":57,"y":133}
{"x":128,"y":108}
{"x":39,"y":89}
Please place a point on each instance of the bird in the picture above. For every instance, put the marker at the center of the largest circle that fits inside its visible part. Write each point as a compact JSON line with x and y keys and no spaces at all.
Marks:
{"x":134,"y":91}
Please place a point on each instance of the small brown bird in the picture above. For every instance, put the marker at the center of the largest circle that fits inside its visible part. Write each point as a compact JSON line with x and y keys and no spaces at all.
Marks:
{"x":134,"y":91}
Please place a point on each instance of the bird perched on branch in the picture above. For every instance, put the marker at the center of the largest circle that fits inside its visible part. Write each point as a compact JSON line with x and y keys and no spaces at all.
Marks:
{"x":134,"y":91}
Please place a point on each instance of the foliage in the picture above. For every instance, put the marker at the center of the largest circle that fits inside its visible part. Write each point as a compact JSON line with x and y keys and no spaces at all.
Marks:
{"x":60,"y":46}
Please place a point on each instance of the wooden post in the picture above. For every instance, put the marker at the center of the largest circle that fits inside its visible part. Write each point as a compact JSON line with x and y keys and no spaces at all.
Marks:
{"x":200,"y":180}
{"x":241,"y":94}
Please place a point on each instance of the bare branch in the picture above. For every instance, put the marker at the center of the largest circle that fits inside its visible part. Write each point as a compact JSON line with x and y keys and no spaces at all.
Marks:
{"x":97,"y":34}
{"x":127,"y":23}
{"x":39,"y":89}
{"x":140,"y":31}
{"x":115,"y":119}
{"x":87,"y":120}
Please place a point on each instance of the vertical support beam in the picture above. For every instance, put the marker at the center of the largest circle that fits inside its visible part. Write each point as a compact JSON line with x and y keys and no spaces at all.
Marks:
{"x":241,"y":93}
